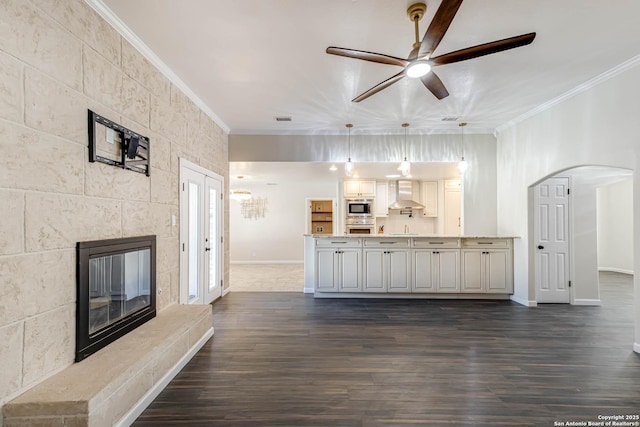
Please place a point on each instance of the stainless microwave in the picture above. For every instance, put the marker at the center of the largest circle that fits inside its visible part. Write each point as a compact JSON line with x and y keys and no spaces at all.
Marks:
{"x":359,"y":207}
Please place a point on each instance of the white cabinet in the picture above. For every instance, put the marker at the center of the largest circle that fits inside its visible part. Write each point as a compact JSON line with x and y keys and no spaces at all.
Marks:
{"x":382,"y":201}
{"x":436,"y":264}
{"x":430,"y":198}
{"x":487,"y":270}
{"x":387,"y":265}
{"x":359,"y":188}
{"x":452,"y":207}
{"x":338,"y":266}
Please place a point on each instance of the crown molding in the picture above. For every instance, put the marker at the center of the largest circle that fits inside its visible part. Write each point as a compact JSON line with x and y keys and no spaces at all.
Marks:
{"x":589,"y":84}
{"x":113,"y":20}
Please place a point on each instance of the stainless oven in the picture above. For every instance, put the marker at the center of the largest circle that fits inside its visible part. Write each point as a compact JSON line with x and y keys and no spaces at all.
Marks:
{"x":360,"y":225}
{"x":359,"y":208}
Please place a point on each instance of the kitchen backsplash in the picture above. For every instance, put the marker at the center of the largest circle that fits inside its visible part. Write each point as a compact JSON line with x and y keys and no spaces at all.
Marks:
{"x":417,"y":224}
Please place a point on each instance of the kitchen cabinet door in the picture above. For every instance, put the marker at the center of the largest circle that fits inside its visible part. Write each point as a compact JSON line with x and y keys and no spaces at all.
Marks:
{"x":368,"y":188}
{"x":327,"y":270}
{"x":398,"y":270}
{"x":374,"y":270}
{"x":381,"y":203}
{"x":351,"y":188}
{"x":430,"y":198}
{"x":487,"y":271}
{"x":423,"y":274}
{"x":448,"y":270}
{"x":356,"y":188}
{"x":350,"y":270}
{"x":473,"y":271}
{"x":498,"y":271}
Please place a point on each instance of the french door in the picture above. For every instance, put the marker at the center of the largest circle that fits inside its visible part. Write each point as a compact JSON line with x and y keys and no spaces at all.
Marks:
{"x":551,"y":230}
{"x":201,"y":234}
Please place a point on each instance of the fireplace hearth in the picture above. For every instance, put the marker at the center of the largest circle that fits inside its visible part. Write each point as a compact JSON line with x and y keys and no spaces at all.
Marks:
{"x":116,"y":284}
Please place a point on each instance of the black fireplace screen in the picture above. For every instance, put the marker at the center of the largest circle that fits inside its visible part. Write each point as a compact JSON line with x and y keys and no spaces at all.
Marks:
{"x":116,"y":290}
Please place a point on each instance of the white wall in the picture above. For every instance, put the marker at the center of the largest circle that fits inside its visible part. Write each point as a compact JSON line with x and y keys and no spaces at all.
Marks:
{"x":596,"y":127}
{"x":615,"y":227}
{"x":278,"y":237}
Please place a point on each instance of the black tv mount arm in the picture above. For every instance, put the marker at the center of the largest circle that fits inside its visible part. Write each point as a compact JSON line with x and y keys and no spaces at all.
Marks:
{"x":135,"y":153}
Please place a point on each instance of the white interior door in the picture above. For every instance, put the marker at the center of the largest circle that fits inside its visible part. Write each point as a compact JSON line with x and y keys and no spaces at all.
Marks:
{"x":551,"y":229}
{"x":201,"y":230}
{"x":213,"y":240}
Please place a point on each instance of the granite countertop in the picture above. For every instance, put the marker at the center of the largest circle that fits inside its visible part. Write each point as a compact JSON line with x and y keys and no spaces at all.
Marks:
{"x":409,"y":235}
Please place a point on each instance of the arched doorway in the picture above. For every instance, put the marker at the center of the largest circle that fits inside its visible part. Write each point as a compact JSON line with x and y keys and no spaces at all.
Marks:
{"x":571,"y":274}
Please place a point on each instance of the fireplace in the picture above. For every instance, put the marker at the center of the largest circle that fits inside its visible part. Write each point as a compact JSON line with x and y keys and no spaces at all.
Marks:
{"x":116,"y":283}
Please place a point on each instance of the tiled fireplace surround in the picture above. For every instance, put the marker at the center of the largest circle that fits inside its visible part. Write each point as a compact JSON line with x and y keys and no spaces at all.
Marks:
{"x":57,"y":60}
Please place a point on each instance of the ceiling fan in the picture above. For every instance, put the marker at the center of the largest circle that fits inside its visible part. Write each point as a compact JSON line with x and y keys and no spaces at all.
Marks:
{"x":420,"y":63}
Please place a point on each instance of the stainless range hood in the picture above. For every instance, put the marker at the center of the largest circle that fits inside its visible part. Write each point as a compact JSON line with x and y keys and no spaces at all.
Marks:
{"x":407,"y":192}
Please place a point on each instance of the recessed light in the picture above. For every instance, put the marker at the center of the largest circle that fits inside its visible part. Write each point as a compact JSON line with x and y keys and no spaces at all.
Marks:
{"x":333,"y":168}
{"x":283,"y":118}
{"x":393,"y":176}
{"x":272,"y":183}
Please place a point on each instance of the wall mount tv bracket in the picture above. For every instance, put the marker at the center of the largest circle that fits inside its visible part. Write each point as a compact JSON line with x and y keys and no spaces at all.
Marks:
{"x":134,"y":149}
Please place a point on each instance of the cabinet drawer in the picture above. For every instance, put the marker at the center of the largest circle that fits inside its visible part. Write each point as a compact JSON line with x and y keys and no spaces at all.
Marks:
{"x":436,"y":243}
{"x":386,"y":243}
{"x":338,"y":242}
{"x":486,"y":243}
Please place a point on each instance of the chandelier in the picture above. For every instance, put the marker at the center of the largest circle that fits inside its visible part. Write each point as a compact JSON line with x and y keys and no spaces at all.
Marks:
{"x":253,"y":208}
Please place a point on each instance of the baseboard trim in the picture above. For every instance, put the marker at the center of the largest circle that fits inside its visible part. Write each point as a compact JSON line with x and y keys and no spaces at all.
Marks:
{"x":146,"y":400}
{"x":586,"y":302}
{"x":522,"y":301}
{"x":636,"y":347}
{"x":615,"y":270}
{"x":407,"y":295}
{"x":225,"y":291}
{"x":307,"y":290}
{"x":267,"y":262}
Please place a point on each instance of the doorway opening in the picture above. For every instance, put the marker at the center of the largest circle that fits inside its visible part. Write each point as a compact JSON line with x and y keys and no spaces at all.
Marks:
{"x":574,"y":237}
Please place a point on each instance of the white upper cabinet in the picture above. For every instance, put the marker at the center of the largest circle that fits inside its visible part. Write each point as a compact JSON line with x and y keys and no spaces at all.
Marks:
{"x":430,"y":198}
{"x":382,"y":201}
{"x":359,"y":188}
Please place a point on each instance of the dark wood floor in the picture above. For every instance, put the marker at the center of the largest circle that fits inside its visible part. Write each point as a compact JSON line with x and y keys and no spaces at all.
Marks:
{"x":284,"y":359}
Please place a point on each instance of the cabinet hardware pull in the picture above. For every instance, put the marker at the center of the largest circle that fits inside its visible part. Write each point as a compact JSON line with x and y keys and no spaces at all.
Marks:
{"x":338,"y":243}
{"x":485,"y":243}
{"x":436,"y":243}
{"x":387,"y":243}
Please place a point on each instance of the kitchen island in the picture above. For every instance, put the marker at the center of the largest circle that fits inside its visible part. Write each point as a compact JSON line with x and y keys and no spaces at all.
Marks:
{"x":409,"y":266}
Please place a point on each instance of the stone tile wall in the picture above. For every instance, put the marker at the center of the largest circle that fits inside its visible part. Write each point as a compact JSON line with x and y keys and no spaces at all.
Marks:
{"x":57,"y":59}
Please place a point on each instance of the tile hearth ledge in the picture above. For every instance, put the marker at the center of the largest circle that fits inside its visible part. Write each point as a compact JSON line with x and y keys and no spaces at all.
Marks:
{"x":115,"y":384}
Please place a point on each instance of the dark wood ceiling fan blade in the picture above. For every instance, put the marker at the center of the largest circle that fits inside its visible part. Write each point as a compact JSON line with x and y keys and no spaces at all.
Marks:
{"x":432,"y":82}
{"x":484,"y":49}
{"x":439,"y":26}
{"x":367,"y":56}
{"x":377,"y":88}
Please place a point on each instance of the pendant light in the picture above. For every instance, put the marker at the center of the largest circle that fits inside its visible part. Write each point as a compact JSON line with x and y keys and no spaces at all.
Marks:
{"x":348,"y":167}
{"x":405,"y":166}
{"x":462,"y":164}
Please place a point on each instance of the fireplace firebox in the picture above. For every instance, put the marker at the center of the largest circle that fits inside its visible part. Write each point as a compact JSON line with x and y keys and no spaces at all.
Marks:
{"x":116,"y":284}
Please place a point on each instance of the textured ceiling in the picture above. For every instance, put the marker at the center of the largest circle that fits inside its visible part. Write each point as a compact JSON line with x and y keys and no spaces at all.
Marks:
{"x":252,"y":60}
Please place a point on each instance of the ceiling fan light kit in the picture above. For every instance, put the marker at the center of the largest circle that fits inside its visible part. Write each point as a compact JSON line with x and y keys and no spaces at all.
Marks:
{"x":420,"y":62}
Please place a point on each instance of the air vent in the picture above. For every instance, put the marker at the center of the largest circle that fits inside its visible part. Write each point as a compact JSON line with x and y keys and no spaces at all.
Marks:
{"x":451,"y":119}
{"x":283,"y":118}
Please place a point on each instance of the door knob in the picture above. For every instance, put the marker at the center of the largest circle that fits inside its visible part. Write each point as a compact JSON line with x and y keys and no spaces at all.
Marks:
{"x":540,"y":247}
{"x":207,"y":249}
